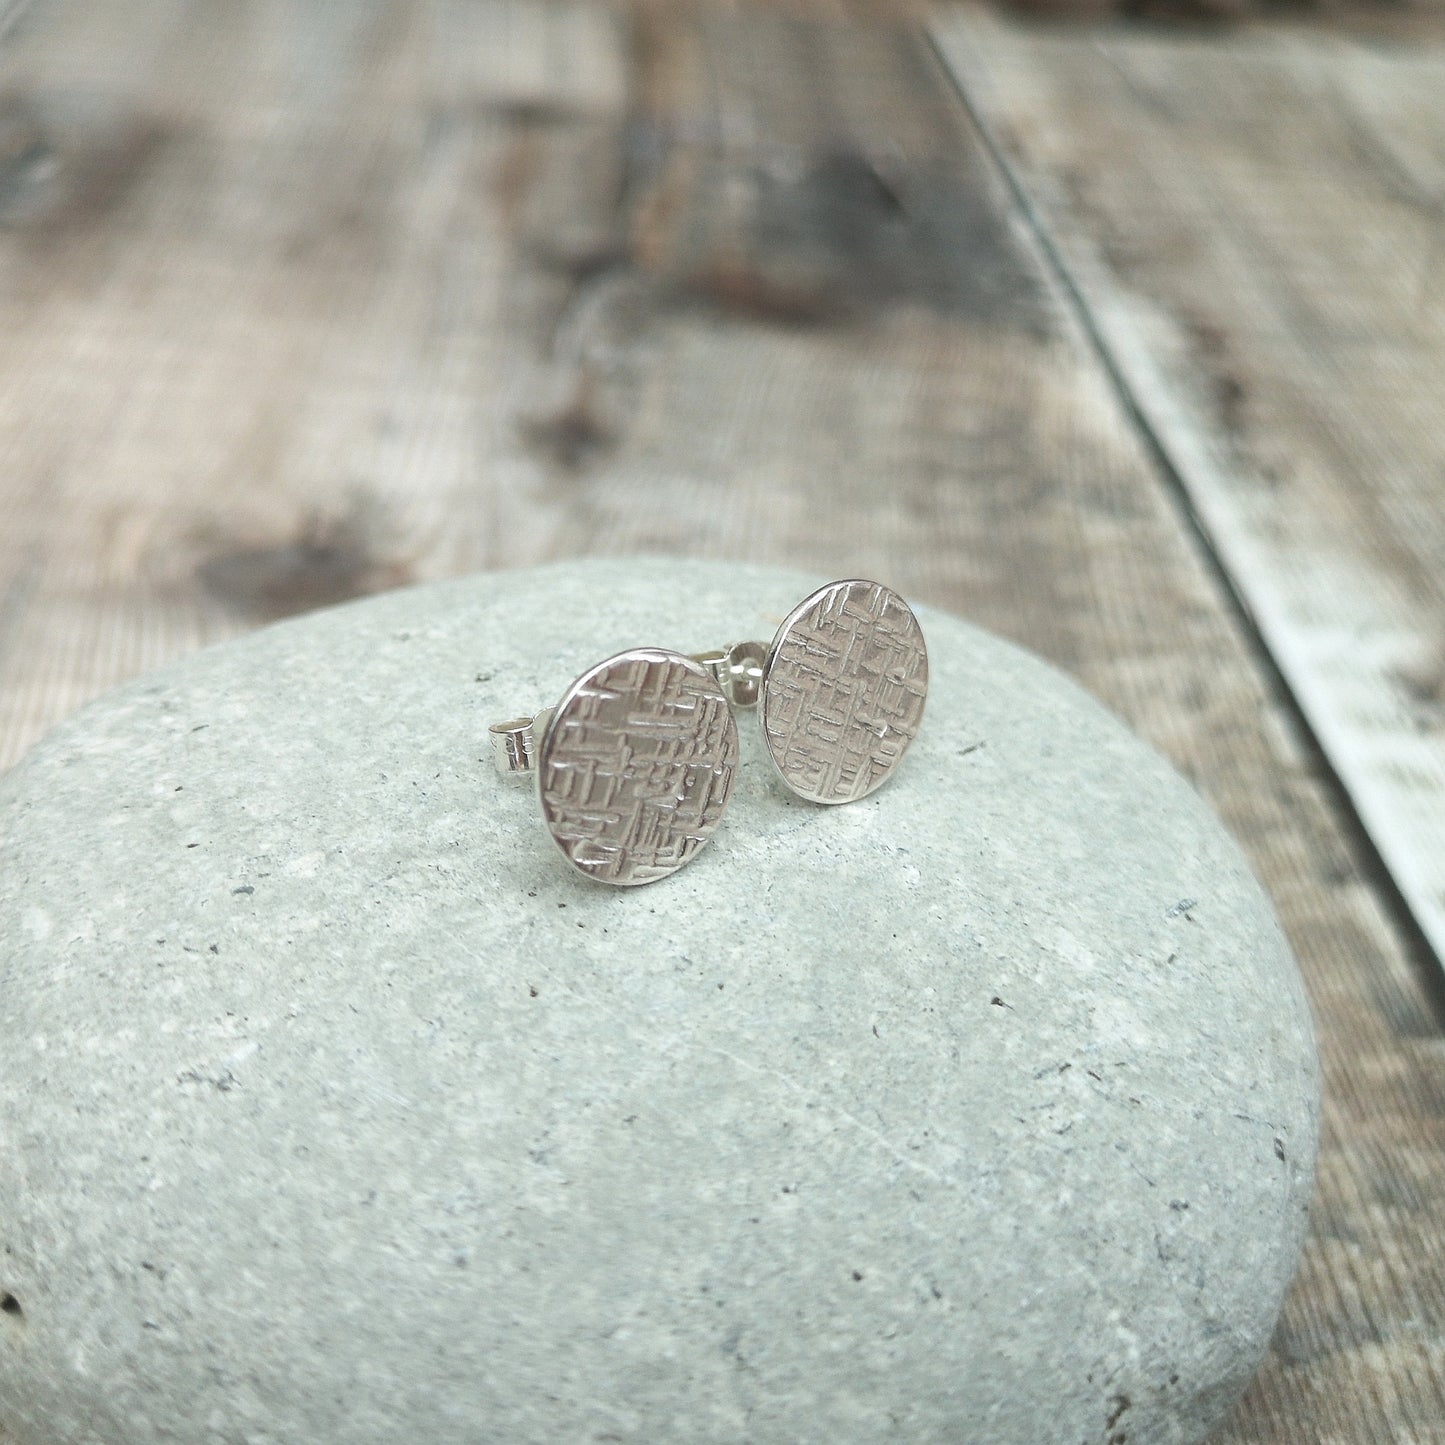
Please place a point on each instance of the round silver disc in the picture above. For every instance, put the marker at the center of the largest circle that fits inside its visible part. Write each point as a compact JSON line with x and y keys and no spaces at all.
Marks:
{"x":636,"y":766}
{"x":843,"y":690}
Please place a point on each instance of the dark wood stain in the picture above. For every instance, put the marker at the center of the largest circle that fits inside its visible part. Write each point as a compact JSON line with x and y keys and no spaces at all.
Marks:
{"x":514,"y":175}
{"x":845,"y":227}
{"x":59,"y":178}
{"x":852,"y":234}
{"x":850,"y":227}
{"x":328,"y":560}
{"x":1406,"y":1010}
{"x":576,"y":433}
{"x":1309,"y":1340}
{"x":26,"y":158}
{"x":528,"y":122}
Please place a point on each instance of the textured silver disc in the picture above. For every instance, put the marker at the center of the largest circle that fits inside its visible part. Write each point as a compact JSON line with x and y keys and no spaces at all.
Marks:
{"x":843,"y":690}
{"x":636,"y":766}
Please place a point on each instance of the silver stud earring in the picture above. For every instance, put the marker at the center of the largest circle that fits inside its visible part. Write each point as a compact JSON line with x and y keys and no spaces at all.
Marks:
{"x":840,"y":691}
{"x":634,"y":766}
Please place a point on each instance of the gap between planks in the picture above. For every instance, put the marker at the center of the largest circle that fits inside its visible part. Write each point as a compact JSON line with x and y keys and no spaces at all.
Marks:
{"x":1327,"y":530}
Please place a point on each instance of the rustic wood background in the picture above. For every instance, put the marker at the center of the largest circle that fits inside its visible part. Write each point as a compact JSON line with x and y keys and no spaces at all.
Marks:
{"x":1127,"y":343}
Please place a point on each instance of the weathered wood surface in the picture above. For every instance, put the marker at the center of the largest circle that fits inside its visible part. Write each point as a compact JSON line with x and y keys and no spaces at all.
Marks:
{"x":1257,"y":227}
{"x":302,"y":301}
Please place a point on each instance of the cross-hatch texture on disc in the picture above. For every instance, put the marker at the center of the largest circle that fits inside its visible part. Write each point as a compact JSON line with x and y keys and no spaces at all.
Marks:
{"x":843,"y":696}
{"x":637,"y":766}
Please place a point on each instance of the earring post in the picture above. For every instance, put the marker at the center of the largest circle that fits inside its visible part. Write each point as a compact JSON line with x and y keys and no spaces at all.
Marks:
{"x":738,"y":670}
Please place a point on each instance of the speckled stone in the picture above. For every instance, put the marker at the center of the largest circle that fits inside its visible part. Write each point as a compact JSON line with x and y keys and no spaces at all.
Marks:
{"x":336,"y":1108}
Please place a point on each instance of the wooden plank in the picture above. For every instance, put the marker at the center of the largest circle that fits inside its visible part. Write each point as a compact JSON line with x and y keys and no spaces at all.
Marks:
{"x":403,"y":290}
{"x":1250,"y":224}
{"x":1257,"y":226}
{"x":249,"y":275}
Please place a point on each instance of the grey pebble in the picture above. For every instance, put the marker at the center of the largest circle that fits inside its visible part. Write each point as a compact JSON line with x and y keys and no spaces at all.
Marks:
{"x":337,"y":1110}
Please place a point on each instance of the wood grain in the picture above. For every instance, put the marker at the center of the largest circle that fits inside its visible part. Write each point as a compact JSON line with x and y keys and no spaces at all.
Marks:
{"x":299,"y":301}
{"x":1257,"y":227}
{"x":254,"y":291}
{"x":1259,"y":279}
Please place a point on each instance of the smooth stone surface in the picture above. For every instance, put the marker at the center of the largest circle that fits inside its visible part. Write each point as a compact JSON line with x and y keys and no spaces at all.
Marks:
{"x":337,"y":1108}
